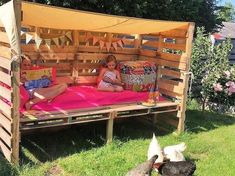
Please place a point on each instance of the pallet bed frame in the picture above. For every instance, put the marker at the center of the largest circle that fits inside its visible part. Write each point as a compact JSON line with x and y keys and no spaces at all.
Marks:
{"x":77,"y":61}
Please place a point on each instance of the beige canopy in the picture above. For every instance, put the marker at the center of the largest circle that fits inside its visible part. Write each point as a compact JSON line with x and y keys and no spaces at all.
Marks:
{"x":61,"y":18}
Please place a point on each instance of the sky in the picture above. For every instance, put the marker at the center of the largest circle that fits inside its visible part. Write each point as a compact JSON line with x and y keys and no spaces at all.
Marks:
{"x":223,"y":1}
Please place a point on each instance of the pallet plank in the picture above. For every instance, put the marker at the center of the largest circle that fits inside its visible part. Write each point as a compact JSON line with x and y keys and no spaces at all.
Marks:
{"x":174,"y":57}
{"x":172,"y":73}
{"x":5,"y":63}
{"x":5,"y":93}
{"x":5,"y":137}
{"x":6,"y":152}
{"x":4,"y":37}
{"x":6,"y":109}
{"x":5,"y":78}
{"x":5,"y":51}
{"x":6,"y":123}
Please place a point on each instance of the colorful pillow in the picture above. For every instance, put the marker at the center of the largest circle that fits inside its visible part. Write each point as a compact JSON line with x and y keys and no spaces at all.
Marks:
{"x":138,"y":75}
{"x":24,"y":97}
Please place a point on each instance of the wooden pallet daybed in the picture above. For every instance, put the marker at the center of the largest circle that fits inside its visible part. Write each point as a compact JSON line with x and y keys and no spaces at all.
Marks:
{"x":166,"y":43}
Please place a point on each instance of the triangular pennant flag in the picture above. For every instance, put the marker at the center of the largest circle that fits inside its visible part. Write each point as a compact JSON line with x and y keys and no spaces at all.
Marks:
{"x":62,"y":39}
{"x":28,"y":38}
{"x":69,"y":35}
{"x":119,"y":42}
{"x":38,"y":41}
{"x":95,"y":40}
{"x":56,"y":41}
{"x":48,"y":43}
{"x":123,"y":40}
{"x":101,"y":44}
{"x":22,"y":33}
{"x":114,"y":45}
{"x":108,"y":45}
{"x":88,"y":36}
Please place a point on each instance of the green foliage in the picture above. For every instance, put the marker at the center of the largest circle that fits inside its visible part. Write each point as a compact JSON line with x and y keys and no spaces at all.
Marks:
{"x":227,"y":12}
{"x":208,"y":65}
{"x":202,"y":12}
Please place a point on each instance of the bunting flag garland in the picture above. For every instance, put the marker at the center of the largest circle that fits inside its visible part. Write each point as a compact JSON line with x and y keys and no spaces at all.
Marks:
{"x":48,"y":43}
{"x":38,"y":41}
{"x":119,"y":42}
{"x":22,"y":32}
{"x":101,"y":44}
{"x":108,"y":45}
{"x":95,"y":40}
{"x":69,"y":35}
{"x":114,"y":44}
{"x":28,"y":38}
{"x":62,"y":39}
{"x":56,"y":41}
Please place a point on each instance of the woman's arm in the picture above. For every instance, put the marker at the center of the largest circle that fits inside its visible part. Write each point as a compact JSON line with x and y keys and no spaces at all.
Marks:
{"x":101,"y":75}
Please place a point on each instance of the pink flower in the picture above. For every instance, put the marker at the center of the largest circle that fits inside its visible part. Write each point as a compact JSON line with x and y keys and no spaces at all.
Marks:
{"x":231,"y":89}
{"x":217,"y":87}
{"x":230,"y":83}
{"x":227,"y":74}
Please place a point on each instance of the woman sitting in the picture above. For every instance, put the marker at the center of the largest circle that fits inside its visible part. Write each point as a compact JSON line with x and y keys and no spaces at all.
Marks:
{"x":39,"y":94}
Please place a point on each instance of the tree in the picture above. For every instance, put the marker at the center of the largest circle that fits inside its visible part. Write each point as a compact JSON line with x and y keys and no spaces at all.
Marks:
{"x":202,"y":12}
{"x":227,"y":13}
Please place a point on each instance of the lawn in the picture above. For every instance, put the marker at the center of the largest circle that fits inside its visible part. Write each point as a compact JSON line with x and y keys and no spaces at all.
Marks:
{"x":81,"y":150}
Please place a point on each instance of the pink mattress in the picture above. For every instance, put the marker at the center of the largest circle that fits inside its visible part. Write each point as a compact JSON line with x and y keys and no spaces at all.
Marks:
{"x":87,"y":96}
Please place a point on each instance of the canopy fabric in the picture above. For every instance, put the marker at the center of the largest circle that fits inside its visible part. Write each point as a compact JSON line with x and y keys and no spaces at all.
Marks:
{"x":61,"y":18}
{"x":8,"y":21}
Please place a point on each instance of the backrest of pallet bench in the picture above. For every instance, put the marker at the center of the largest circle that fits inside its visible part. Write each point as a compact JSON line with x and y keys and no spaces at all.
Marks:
{"x":78,"y":58}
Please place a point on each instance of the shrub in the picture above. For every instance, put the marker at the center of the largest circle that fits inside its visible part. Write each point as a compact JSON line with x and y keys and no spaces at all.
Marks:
{"x":209,"y":64}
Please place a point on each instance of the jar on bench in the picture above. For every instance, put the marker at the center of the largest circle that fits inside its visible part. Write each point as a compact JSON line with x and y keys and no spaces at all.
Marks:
{"x":138,"y":75}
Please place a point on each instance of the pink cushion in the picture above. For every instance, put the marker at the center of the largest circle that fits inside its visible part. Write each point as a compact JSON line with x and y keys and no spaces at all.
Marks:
{"x":24,"y":97}
{"x":77,"y":97}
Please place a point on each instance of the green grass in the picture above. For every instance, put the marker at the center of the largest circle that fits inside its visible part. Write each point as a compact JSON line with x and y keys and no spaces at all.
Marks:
{"x":81,"y":150}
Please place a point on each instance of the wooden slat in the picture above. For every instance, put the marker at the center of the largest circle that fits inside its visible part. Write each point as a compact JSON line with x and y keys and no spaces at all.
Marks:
{"x":6,"y":123}
{"x":104,"y":50}
{"x":102,"y":56}
{"x":6,"y":109}
{"x":145,"y":52}
{"x":172,"y":73}
{"x":5,"y":52}
{"x":150,"y":43}
{"x":171,"y":88}
{"x":178,"y":65}
{"x":44,"y":48}
{"x":174,"y":57}
{"x":5,"y":93}
{"x":88,"y":74}
{"x":4,"y":37}
{"x":58,"y":66}
{"x":64,"y":79}
{"x":5,"y":137}
{"x":58,"y":56}
{"x":176,"y":46}
{"x":172,"y":82}
{"x":5,"y":63}
{"x":6,"y":152}
{"x":86,"y":79}
{"x":88,"y":66}
{"x":5,"y":78}
{"x":175,"y":33}
{"x":171,"y":94}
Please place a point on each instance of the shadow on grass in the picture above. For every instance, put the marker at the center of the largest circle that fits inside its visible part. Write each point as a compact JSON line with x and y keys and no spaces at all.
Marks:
{"x":198,"y":121}
{"x":6,"y":168}
{"x":48,"y":146}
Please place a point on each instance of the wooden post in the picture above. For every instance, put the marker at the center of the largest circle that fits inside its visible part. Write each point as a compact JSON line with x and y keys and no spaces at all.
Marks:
{"x":109,"y":128}
{"x":15,"y":82}
{"x":181,"y":112}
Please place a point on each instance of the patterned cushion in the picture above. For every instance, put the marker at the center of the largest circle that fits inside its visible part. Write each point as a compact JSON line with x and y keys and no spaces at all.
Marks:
{"x":138,"y":75}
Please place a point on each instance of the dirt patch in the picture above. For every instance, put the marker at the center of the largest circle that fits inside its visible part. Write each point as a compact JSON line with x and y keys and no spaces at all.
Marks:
{"x":55,"y":170}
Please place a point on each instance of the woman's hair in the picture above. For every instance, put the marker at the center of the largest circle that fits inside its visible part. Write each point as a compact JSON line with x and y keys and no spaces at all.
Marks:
{"x":111,"y":58}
